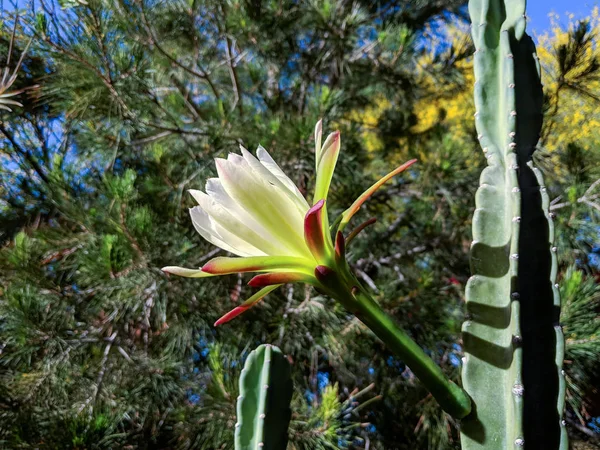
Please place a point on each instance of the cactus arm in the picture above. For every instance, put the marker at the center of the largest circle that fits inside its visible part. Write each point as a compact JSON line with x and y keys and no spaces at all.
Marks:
{"x":491,"y":372}
{"x":511,"y":336}
{"x":263,"y":406}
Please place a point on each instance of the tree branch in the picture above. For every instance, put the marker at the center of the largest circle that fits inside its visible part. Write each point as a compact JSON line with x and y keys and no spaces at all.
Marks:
{"x":203,"y":75}
{"x":24,"y":153}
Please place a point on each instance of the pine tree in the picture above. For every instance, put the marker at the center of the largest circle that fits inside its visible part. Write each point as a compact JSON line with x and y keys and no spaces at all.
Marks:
{"x":125,"y":105}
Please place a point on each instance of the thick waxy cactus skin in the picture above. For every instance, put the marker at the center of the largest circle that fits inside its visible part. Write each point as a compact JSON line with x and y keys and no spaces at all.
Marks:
{"x":263,"y":407}
{"x":513,"y":343}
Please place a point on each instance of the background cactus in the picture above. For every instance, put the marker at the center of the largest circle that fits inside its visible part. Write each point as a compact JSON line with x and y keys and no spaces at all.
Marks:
{"x":263,"y":407}
{"x":514,"y":345}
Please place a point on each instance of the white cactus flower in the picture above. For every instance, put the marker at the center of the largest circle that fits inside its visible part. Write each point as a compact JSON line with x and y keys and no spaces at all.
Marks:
{"x":255,"y":211}
{"x":252,"y":209}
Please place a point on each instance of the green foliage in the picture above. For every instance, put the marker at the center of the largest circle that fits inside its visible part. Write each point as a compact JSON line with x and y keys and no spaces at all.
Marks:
{"x":581,"y":299}
{"x":333,"y":422}
{"x":99,"y":349}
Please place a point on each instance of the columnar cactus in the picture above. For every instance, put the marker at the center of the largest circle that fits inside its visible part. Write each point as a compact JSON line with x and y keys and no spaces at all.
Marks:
{"x":514,"y":345}
{"x":263,"y":407}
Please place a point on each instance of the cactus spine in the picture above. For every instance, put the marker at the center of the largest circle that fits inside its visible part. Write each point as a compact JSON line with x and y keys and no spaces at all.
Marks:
{"x":263,"y":407}
{"x":514,"y":346}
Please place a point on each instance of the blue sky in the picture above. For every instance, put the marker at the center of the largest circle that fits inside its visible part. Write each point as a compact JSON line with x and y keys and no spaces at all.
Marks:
{"x":538,"y":11}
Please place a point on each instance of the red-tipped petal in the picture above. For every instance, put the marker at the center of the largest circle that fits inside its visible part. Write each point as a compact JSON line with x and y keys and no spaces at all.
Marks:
{"x":232,"y":314}
{"x":224,"y":265}
{"x":323,"y":273}
{"x":330,"y":279}
{"x":314,"y":231}
{"x":347,"y":215}
{"x":269,"y":279}
{"x":359,"y":228}
{"x":258,"y":296}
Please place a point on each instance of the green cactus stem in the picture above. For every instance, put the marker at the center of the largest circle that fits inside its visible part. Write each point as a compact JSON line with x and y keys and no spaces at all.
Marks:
{"x":451,"y":397}
{"x":513,"y":343}
{"x":263,"y":406}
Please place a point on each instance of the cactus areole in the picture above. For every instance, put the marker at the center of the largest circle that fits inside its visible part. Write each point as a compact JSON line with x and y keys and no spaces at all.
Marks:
{"x":255,"y":211}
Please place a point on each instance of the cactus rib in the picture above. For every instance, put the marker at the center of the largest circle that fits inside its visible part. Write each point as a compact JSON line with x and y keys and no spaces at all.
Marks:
{"x":511,"y":361}
{"x":263,"y":406}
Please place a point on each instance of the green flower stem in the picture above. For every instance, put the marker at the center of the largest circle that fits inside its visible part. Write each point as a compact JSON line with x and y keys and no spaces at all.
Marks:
{"x":451,"y":397}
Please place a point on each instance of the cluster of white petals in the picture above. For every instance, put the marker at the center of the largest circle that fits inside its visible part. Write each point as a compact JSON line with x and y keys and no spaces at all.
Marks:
{"x":252,"y":208}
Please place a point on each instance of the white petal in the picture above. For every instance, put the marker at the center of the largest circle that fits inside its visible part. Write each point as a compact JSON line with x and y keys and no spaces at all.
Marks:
{"x":260,"y":239}
{"x":216,"y":235}
{"x":268,"y":162}
{"x":236,"y":159}
{"x":215,"y":189}
{"x":217,"y":192}
{"x":262,"y":172}
{"x":318,"y":137}
{"x":263,"y":201}
{"x":196,"y":194}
